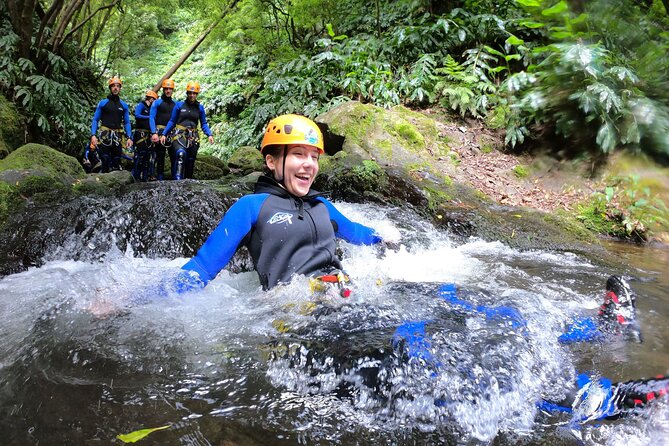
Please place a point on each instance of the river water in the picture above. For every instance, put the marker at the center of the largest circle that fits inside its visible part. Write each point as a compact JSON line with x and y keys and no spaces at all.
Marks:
{"x":87,"y":351}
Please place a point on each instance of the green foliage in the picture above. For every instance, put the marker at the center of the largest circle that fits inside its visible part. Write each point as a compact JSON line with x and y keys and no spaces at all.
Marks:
{"x":625,"y":209}
{"x":46,"y":92}
{"x":588,"y":85}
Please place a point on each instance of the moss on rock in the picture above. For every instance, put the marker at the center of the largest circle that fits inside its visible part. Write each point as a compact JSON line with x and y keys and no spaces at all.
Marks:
{"x":12,"y":128}
{"x":246,"y":160}
{"x":209,"y":167}
{"x":40,"y":158}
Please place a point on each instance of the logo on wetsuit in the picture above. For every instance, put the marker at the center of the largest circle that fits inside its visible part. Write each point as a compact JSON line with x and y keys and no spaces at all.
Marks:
{"x":281,"y":217}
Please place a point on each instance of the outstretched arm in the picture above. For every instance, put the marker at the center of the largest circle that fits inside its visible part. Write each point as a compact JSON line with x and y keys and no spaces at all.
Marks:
{"x":222,"y":244}
{"x":350,"y":231}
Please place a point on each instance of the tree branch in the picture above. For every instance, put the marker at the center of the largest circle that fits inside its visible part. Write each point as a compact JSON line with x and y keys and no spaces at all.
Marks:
{"x":90,"y":16}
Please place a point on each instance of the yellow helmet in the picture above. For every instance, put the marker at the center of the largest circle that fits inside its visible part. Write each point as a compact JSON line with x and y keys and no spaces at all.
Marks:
{"x":193,"y":86}
{"x":168,"y":83}
{"x":114,"y":80}
{"x":292,"y":129}
{"x":151,"y":94}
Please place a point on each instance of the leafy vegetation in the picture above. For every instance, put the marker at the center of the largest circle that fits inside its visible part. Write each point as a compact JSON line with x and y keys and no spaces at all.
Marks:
{"x":625,"y":209}
{"x":595,"y":74}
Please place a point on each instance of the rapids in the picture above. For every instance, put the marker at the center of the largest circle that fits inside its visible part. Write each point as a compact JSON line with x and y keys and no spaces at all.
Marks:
{"x":85,"y":355}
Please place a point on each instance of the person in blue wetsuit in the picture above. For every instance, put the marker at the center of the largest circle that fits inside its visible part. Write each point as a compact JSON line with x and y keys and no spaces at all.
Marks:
{"x":592,"y":397}
{"x":185,"y":139}
{"x":288,"y":227}
{"x":142,"y":137}
{"x":159,"y":116}
{"x":113,"y":118}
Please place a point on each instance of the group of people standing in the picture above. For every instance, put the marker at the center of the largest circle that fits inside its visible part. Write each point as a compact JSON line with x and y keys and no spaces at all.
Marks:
{"x":162,"y":125}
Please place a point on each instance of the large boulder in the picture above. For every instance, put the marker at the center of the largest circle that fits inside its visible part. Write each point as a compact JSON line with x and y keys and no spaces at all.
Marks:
{"x":43,"y":161}
{"x":398,"y":157}
{"x":246,"y":160}
{"x":209,"y":167}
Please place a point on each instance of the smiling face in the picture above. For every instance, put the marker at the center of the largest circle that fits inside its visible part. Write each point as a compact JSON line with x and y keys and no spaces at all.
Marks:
{"x":191,"y":96}
{"x":299,"y":169}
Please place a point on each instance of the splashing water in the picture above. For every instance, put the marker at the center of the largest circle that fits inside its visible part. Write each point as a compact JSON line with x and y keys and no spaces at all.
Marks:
{"x":81,"y":358}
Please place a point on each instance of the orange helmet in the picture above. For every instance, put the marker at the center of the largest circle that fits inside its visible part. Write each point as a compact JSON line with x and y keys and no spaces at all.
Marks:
{"x":292,"y":129}
{"x":114,"y":80}
{"x":151,"y":94}
{"x":168,"y":83}
{"x":193,"y":86}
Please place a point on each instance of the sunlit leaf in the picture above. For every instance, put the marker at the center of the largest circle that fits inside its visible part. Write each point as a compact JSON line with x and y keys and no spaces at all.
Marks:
{"x":135,"y":436}
{"x":558,"y":8}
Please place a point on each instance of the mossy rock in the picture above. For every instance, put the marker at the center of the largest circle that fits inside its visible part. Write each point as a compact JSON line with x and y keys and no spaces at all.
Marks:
{"x":246,"y":160}
{"x":392,"y":137}
{"x":44,"y":159}
{"x":103,"y":183}
{"x":10,"y":202}
{"x":349,"y":177}
{"x":209,"y":167}
{"x":12,"y":128}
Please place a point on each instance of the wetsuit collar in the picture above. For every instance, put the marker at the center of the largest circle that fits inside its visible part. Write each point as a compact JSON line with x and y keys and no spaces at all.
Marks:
{"x":114,"y":97}
{"x":269,"y":185}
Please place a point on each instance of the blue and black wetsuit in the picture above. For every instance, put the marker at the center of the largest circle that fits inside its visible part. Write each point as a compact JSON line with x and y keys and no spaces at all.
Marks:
{"x":142,"y":141}
{"x":185,"y":139}
{"x":159,"y":116}
{"x":285,"y":235}
{"x":113,"y":117}
{"x":602,"y":398}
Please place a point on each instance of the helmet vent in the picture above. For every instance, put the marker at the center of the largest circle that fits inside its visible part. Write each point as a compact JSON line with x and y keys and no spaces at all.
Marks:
{"x":288,"y":129}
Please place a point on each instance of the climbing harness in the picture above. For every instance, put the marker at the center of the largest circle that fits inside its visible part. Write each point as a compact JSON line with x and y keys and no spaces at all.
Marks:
{"x":143,"y":135}
{"x":109,"y":137}
{"x":168,"y":138}
{"x":321,"y":283}
{"x":186,"y":136}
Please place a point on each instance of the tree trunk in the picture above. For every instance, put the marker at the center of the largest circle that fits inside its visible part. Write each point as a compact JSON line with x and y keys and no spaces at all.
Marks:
{"x":57,"y":38}
{"x":47,"y":21}
{"x":83,"y":22}
{"x":21,"y":17}
{"x":193,"y":47}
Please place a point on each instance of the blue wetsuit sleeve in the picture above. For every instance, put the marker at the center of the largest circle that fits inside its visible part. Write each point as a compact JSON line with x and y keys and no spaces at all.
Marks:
{"x":96,"y":116}
{"x":173,"y":118}
{"x":126,"y":119}
{"x":350,"y":231}
{"x":222,"y":244}
{"x":582,"y":329}
{"x":504,"y":313}
{"x":152,"y":114}
{"x":203,"y":121}
{"x":138,"y":111}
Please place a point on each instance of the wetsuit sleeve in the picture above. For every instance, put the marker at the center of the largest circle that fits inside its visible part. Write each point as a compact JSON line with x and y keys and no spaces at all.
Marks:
{"x":152,"y":114}
{"x":173,"y":118}
{"x":96,"y":117}
{"x":138,"y":112}
{"x":203,"y":121}
{"x":582,"y":329}
{"x":222,"y":244}
{"x":126,"y":119}
{"x":350,"y":231}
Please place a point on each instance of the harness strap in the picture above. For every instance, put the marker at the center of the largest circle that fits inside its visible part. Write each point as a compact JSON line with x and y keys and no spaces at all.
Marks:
{"x":336,"y":277}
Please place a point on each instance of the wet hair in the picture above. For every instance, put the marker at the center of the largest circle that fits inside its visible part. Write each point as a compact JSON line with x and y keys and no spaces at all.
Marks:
{"x":275,"y":151}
